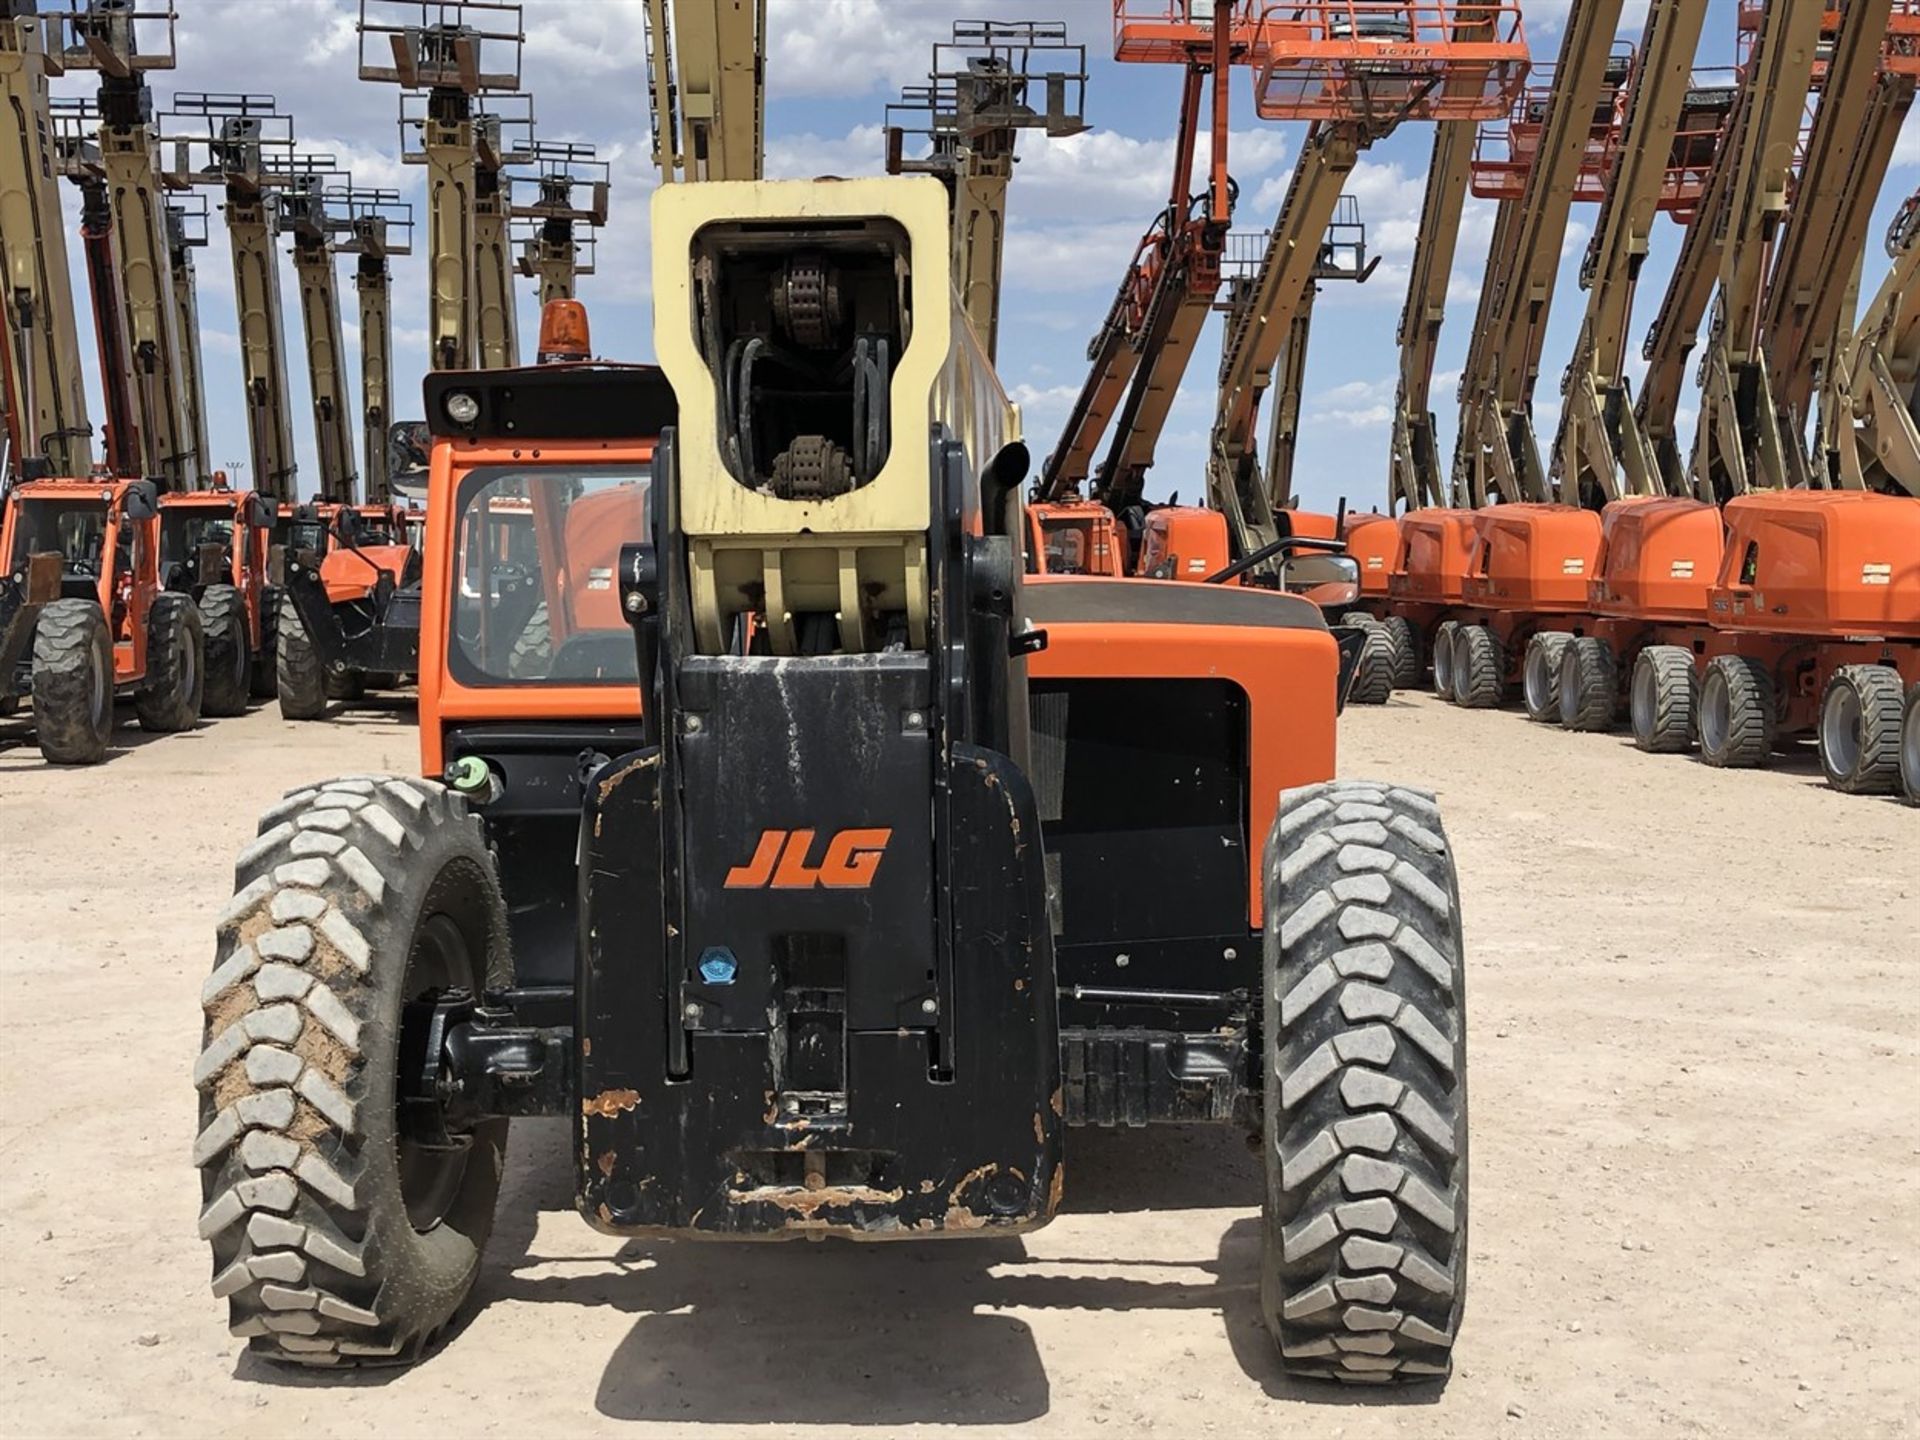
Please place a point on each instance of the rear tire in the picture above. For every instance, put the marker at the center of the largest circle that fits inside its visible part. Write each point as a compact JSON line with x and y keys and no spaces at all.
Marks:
{"x":1364,"y":1231}
{"x":1443,"y":658}
{"x":1373,"y":674}
{"x":1860,"y":725}
{"x":337,"y":1237}
{"x":1540,"y":675}
{"x":1479,"y":668}
{"x":223,"y":620}
{"x":1736,"y":716}
{"x":299,"y":677}
{"x":170,"y":698}
{"x":266,"y":665}
{"x":532,"y":654}
{"x":1409,"y":665}
{"x":1910,"y":747}
{"x":1589,"y":685}
{"x":1662,"y":703}
{"x":72,"y":683}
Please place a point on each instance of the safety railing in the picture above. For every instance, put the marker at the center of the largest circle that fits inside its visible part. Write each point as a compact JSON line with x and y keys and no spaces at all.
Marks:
{"x":1376,"y":61}
{"x":1505,"y":150}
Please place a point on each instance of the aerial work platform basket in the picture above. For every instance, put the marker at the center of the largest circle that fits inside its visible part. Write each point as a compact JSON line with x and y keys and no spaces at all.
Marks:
{"x":1504,"y":149}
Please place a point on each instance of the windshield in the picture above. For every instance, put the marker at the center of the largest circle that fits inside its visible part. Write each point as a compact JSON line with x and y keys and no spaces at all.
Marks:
{"x":184,"y":529}
{"x":74,"y":529}
{"x":535,"y":592}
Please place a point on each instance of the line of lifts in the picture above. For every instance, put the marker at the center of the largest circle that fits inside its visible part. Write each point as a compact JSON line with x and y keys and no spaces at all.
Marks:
{"x":1758,"y":589}
{"x":143,"y":575}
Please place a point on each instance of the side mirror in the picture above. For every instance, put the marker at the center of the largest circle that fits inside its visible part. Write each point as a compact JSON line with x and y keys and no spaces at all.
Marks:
{"x":142,"y":501}
{"x":1329,"y":581}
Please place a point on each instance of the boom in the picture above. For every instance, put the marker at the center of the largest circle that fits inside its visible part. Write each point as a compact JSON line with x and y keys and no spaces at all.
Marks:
{"x":1657,"y":168}
{"x":1865,"y":93}
{"x":304,"y":214}
{"x":231,"y":148}
{"x":44,"y":393}
{"x":1872,"y":391}
{"x":186,"y":232}
{"x":706,"y":86}
{"x":379,"y":226}
{"x":440,"y":51}
{"x":1414,"y":477}
{"x":977,"y":101}
{"x":106,"y":35}
{"x":1738,"y":429}
{"x":1497,"y":453}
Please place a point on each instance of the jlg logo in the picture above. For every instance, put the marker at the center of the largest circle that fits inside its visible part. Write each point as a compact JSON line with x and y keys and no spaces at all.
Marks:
{"x":780,"y":861}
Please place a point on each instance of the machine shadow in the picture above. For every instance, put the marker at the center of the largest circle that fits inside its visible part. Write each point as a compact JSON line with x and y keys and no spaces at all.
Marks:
{"x":889,"y":1335}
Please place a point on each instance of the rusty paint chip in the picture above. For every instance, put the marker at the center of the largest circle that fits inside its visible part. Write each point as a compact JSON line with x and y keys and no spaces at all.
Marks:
{"x":609,"y":1103}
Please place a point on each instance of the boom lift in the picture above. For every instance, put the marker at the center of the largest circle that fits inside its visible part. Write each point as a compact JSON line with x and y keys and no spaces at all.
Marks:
{"x":106,"y":35}
{"x":45,"y":402}
{"x":443,"y":48}
{"x":706,"y":88}
{"x":231,"y":140}
{"x":306,"y":216}
{"x":800,"y":877}
{"x":557,"y":234}
{"x":980,"y":95}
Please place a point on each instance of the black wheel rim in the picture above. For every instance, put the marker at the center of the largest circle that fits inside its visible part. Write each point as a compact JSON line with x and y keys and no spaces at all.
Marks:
{"x":100,"y":700}
{"x":432,"y":1154}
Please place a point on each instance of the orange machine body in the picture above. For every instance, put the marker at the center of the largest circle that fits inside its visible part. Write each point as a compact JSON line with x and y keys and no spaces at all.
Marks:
{"x":1829,"y":563}
{"x":1184,"y":542}
{"x":1530,"y":557}
{"x":1658,"y":557}
{"x":121,"y":570}
{"x":1436,"y":546}
{"x":1075,"y":537}
{"x":249,"y":547}
{"x":1377,"y":547}
{"x":1289,"y":674}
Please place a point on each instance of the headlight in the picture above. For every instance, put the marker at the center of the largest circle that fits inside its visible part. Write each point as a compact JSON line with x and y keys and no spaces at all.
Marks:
{"x":462,"y":407}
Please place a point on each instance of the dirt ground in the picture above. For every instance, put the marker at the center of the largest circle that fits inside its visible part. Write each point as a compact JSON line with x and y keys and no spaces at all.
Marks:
{"x":1695,"y":1036}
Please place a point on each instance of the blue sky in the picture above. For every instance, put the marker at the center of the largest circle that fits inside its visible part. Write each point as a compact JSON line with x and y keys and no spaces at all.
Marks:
{"x":1078,"y":205}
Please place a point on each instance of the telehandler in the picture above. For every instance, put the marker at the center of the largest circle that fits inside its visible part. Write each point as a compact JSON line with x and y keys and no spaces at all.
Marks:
{"x":828,"y":868}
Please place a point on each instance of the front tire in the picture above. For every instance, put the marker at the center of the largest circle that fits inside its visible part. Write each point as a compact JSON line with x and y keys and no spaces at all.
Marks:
{"x":1910,"y":747}
{"x":1373,"y":674}
{"x":1540,"y":675}
{"x":1662,"y":702}
{"x":1737,"y":715}
{"x":1364,"y":1233}
{"x":300,"y":679}
{"x":338,"y":1234}
{"x":1409,"y":665}
{"x":1589,"y":685}
{"x":1479,"y":668}
{"x":170,"y":699}
{"x":223,"y":620}
{"x":1860,"y":724}
{"x":72,"y":683}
